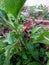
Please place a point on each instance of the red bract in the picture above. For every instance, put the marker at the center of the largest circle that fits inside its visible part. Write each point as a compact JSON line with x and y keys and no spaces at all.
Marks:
{"x":28,"y":25}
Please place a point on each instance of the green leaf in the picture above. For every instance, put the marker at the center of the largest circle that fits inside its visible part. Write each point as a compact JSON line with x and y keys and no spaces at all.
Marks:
{"x":2,"y":58}
{"x":3,"y":18}
{"x":29,"y":46}
{"x":32,"y":51}
{"x":34,"y":30}
{"x":48,"y":62}
{"x":12,"y":6}
{"x":34,"y":36}
{"x":35,"y":54}
{"x":3,"y":14}
{"x":34,"y":63}
{"x":20,"y":27}
{"x":18,"y":63}
{"x":9,"y":39}
{"x":44,"y":37}
{"x":2,"y":44}
{"x":24,"y":56}
{"x":47,"y":53}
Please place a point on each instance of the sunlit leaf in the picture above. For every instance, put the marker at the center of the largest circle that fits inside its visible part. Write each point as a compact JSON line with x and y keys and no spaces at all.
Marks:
{"x":12,"y":6}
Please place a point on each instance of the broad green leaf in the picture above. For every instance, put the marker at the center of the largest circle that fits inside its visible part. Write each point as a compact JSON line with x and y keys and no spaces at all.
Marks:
{"x":12,"y":6}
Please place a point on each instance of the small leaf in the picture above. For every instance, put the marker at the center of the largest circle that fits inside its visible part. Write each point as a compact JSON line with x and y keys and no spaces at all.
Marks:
{"x":34,"y":30}
{"x":9,"y":39}
{"x":44,"y":37}
{"x":47,"y":53}
{"x":24,"y":56}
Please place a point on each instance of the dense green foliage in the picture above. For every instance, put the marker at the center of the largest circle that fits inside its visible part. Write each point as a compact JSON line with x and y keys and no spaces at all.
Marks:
{"x":14,"y":48}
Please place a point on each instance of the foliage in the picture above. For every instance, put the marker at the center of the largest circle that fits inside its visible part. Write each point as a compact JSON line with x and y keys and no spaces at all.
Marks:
{"x":21,"y":18}
{"x":15,"y":49}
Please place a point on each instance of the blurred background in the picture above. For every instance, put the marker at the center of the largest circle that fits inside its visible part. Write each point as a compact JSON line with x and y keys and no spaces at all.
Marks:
{"x":37,"y":2}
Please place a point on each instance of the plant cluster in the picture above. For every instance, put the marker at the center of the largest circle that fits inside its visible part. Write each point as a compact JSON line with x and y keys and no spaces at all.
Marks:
{"x":14,"y":48}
